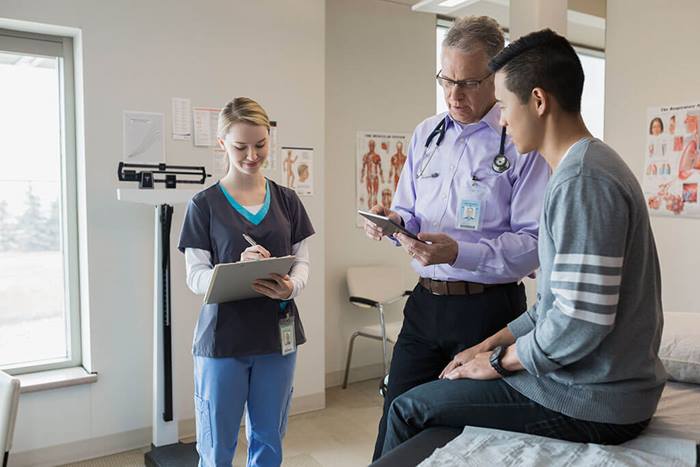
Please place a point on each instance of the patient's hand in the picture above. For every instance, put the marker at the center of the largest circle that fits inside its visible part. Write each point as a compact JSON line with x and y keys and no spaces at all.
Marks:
{"x":477,"y":368}
{"x":462,"y":358}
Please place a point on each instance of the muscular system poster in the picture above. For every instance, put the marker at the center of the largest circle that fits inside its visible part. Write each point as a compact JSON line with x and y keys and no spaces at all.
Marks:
{"x":380,"y":157}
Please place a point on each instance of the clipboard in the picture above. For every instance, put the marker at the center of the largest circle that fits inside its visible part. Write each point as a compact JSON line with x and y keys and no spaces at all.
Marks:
{"x":232,"y":281}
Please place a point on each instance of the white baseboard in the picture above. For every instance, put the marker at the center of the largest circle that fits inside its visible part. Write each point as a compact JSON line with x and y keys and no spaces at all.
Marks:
{"x":308,"y":403}
{"x":359,"y":373}
{"x":82,"y":450}
{"x":128,"y":440}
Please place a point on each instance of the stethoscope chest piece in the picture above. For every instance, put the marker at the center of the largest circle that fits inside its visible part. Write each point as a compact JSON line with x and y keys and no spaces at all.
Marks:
{"x":500,"y":164}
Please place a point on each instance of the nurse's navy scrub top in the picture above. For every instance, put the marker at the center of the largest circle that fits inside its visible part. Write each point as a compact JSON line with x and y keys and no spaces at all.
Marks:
{"x":216,"y":222}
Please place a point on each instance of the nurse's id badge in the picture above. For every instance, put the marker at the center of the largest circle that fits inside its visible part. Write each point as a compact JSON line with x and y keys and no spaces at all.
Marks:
{"x":288,"y":341}
{"x":469,"y":215}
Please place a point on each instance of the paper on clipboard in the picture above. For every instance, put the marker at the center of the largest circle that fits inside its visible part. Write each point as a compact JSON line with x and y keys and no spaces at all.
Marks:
{"x":232,"y":281}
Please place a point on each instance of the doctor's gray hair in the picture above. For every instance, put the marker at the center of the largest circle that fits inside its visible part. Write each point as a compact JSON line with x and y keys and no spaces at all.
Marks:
{"x":241,"y":109}
{"x":470,"y":33}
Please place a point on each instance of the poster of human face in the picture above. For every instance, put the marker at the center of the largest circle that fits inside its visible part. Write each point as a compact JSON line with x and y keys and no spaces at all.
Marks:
{"x":380,"y":157}
{"x":298,"y":169}
{"x":672,"y":160}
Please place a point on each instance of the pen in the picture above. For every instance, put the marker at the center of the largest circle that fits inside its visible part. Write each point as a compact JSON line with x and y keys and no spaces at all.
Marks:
{"x":250,"y":240}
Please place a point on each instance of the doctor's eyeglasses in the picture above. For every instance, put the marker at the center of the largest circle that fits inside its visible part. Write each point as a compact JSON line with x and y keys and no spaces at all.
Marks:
{"x":466,"y":84}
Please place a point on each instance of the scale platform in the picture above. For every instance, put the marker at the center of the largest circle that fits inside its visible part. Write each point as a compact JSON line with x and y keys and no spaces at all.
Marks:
{"x":172,"y":455}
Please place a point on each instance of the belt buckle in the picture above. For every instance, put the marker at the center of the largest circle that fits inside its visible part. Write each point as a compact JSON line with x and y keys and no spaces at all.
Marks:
{"x":434,"y":284}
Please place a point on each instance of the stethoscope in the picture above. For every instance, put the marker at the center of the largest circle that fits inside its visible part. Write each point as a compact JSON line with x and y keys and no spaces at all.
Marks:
{"x":499,"y":164}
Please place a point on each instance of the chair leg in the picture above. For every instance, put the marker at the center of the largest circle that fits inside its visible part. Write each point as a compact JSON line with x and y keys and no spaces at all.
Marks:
{"x":385,"y":359}
{"x":347,"y":363}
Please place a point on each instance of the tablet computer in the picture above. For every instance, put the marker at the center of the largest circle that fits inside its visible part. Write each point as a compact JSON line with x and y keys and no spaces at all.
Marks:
{"x":388,"y":226}
{"x":233,"y":281}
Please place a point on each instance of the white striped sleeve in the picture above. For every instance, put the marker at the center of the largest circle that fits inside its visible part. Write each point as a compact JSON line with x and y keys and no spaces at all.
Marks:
{"x":591,"y":295}
{"x":592,"y":260}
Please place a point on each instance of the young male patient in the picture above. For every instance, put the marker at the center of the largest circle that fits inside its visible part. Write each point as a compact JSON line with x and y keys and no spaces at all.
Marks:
{"x":582,"y":364}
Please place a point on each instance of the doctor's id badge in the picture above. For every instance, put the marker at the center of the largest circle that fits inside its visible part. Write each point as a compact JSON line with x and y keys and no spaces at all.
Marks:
{"x":288,"y":341}
{"x":469,"y":214}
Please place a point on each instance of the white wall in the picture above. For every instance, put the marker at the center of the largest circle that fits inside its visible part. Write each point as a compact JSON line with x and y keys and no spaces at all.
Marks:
{"x":585,"y":25}
{"x":137,"y":55}
{"x":651,"y":61}
{"x":380,"y":58}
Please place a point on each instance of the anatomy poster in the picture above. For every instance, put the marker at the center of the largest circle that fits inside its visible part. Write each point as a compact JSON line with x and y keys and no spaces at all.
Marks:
{"x":380,"y":158}
{"x":272,"y":156}
{"x":672,"y":160}
{"x":298,"y":169}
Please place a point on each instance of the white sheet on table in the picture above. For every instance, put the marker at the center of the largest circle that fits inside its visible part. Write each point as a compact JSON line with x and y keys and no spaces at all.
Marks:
{"x":678,"y":413}
{"x":482,"y":446}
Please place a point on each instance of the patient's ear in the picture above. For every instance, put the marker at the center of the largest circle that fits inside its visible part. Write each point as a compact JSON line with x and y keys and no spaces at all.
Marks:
{"x":540,"y":101}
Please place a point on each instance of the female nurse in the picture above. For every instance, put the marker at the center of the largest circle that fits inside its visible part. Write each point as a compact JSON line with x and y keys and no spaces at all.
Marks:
{"x":245,"y":351}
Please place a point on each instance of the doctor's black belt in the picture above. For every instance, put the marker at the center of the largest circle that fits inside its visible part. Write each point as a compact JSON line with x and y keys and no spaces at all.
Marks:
{"x":455,"y":287}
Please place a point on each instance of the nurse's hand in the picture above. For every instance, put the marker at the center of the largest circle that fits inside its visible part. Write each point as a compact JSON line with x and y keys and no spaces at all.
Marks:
{"x":277,"y":286}
{"x":254,"y":253}
{"x":442,"y":249}
{"x":371,"y":229}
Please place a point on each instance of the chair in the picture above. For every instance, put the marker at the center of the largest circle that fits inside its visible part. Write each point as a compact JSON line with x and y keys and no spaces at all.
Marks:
{"x":9,"y":399}
{"x":374,"y":287}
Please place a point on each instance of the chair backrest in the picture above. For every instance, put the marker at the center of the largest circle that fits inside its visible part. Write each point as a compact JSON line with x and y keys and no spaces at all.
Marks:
{"x":379,"y":283}
{"x":9,"y":399}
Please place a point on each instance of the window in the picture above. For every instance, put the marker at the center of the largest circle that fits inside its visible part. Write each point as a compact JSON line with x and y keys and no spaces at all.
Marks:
{"x":39,"y":308}
{"x":592,"y":101}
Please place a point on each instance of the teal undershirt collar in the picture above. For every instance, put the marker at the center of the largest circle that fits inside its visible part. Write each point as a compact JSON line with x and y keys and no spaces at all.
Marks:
{"x":252,"y":218}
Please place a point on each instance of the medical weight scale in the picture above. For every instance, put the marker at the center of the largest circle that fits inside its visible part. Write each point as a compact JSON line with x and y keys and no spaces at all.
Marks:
{"x":166,"y":449}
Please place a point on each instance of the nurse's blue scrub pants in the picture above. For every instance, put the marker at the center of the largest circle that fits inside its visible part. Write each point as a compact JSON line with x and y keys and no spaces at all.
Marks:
{"x":222,"y":386}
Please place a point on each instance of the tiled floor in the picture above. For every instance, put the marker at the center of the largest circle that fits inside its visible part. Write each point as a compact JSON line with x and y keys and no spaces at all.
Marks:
{"x":340,"y":435}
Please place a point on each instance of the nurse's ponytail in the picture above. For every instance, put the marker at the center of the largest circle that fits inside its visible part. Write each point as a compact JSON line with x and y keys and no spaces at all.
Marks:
{"x":241,"y":109}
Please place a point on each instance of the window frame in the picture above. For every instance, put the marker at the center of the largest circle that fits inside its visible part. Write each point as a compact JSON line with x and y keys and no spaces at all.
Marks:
{"x":60,"y":47}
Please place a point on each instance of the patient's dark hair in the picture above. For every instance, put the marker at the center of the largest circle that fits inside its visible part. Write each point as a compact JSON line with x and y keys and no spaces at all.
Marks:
{"x":546,"y":60}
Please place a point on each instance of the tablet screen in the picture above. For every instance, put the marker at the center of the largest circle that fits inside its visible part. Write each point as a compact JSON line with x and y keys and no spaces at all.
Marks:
{"x":388,"y":226}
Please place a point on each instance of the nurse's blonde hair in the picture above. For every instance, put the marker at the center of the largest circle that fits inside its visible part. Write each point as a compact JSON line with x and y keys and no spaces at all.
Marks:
{"x":241,"y":109}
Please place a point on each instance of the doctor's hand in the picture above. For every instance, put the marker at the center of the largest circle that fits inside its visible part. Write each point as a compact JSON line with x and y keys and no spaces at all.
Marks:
{"x":277,"y":286}
{"x":371,"y":229}
{"x":441,"y":250}
{"x":254,"y":253}
{"x":477,"y":368}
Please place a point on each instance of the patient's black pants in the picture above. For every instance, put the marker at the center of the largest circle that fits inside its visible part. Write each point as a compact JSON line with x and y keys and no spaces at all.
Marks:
{"x":492,"y":404}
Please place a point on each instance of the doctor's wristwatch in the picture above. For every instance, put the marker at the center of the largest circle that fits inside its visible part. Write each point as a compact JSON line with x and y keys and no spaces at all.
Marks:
{"x":495,"y":360}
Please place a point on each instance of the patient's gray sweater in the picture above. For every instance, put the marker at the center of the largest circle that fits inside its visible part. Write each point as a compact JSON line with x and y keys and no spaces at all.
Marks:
{"x":590,"y":344}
